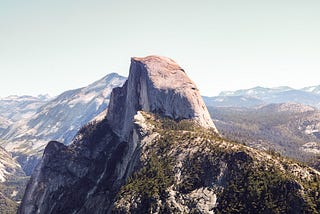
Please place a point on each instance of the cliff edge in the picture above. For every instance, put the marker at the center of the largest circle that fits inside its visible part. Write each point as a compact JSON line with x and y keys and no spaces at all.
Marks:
{"x":158,"y":85}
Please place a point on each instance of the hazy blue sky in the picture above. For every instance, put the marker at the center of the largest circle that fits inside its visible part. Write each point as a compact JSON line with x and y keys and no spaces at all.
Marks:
{"x":52,"y":46}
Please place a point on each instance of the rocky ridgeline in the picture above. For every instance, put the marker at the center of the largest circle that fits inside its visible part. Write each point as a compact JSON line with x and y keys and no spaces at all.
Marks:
{"x":157,"y":151}
{"x":159,"y":85}
{"x":57,"y":119}
{"x":102,"y":155}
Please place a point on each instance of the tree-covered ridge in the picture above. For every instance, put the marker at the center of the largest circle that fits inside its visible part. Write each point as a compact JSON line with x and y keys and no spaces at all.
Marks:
{"x":186,"y":168}
{"x":290,"y":129}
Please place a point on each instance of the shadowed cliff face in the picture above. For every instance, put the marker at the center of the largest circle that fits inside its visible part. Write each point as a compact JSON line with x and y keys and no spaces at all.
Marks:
{"x":87,"y":175}
{"x":158,"y":85}
{"x":157,"y":151}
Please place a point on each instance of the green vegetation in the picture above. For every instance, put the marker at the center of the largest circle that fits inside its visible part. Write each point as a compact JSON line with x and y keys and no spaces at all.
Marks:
{"x":150,"y":183}
{"x":245,"y":180}
{"x":193,"y":175}
{"x":250,"y":189}
{"x":315,"y":162}
{"x":94,"y":132}
{"x":268,"y":128}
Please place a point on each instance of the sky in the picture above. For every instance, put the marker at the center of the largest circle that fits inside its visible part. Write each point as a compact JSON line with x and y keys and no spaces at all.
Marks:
{"x":50,"y":46}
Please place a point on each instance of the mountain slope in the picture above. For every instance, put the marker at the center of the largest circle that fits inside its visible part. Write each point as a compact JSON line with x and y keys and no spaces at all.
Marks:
{"x":12,"y":183}
{"x":157,"y":151}
{"x":4,"y":124}
{"x":291,"y":129}
{"x":8,"y":166}
{"x":16,"y":108}
{"x":188,"y":169}
{"x":59,"y":119}
{"x":7,"y":206}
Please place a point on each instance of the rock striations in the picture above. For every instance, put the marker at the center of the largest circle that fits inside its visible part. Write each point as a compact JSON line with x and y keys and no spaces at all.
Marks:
{"x":157,"y":151}
{"x":159,"y":85}
{"x":92,"y":169}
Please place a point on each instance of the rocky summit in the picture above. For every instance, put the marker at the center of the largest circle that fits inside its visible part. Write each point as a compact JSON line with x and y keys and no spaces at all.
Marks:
{"x":157,"y":151}
{"x":159,"y":85}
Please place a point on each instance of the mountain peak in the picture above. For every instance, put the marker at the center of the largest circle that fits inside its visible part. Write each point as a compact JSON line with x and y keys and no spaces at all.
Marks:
{"x":142,"y":159}
{"x":159,"y":85}
{"x":164,"y":63}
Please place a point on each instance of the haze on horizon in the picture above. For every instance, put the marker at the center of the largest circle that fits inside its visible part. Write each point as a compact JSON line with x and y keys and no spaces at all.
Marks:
{"x":53,"y":46}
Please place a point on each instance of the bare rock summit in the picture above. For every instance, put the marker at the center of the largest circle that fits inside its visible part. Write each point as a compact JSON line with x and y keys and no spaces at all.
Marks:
{"x":159,"y":85}
{"x":135,"y":161}
{"x":104,"y":154}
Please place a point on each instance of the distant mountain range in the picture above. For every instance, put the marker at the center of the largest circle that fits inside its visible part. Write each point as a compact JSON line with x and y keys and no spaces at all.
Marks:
{"x":31,"y":122}
{"x":259,"y":95}
{"x":283,"y":119}
{"x":28,"y":123}
{"x":106,"y":150}
{"x":15,"y":108}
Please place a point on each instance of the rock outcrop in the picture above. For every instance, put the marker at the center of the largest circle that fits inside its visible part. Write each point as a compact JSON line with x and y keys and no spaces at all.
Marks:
{"x":159,"y":85}
{"x":104,"y":154}
{"x":157,"y":151}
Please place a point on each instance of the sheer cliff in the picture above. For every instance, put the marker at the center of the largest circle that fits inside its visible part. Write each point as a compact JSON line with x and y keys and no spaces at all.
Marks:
{"x":158,"y":151}
{"x":156,"y":84}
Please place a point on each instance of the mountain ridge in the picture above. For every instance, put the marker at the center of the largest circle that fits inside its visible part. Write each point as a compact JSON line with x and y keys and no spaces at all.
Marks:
{"x":262,"y":95}
{"x":156,"y":84}
{"x":58,"y":119}
{"x":163,"y":158}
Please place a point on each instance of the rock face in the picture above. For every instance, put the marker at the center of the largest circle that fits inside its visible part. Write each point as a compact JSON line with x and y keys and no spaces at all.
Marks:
{"x":159,"y":85}
{"x":8,"y":166}
{"x":102,"y":155}
{"x":157,"y":151}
